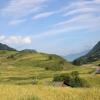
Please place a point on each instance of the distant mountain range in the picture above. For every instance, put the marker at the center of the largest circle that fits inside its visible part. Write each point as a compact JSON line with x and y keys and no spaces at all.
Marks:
{"x":72,"y":57}
{"x":91,"y":56}
{"x":6,"y":47}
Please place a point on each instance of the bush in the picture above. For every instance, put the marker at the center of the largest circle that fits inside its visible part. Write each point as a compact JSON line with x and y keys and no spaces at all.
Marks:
{"x":53,"y":66}
{"x":71,"y":79}
{"x":61,"y":77}
{"x":75,"y":80}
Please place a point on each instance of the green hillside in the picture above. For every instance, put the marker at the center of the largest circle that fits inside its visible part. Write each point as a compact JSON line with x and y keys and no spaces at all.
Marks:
{"x":23,"y":67}
{"x":34,"y":59}
{"x":92,"y":56}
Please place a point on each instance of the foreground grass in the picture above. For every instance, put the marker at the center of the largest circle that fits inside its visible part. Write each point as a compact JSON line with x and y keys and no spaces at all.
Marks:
{"x":38,"y":92}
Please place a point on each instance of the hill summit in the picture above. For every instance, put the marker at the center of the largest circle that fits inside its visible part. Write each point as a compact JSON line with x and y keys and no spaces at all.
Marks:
{"x":6,"y":47}
{"x":91,"y":56}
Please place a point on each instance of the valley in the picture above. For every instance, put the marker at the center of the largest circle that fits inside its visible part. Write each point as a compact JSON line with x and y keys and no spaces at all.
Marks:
{"x":28,"y":75}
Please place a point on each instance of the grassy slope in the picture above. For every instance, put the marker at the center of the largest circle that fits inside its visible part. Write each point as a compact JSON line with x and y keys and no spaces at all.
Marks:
{"x":16,"y":76}
{"x":25,"y":59}
{"x":6,"y":53}
{"x":24,"y":66}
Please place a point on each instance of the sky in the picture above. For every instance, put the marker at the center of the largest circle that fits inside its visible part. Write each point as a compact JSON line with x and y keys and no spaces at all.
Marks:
{"x":60,"y":27}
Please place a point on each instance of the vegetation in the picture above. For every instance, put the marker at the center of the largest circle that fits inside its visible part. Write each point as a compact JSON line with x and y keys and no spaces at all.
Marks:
{"x":28,"y":75}
{"x":32,"y":58}
{"x":38,"y":92}
{"x":92,"y":56}
{"x":72,"y":79}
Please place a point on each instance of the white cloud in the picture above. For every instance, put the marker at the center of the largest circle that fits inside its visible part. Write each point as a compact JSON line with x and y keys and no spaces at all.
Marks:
{"x":19,"y":40}
{"x":97,"y":1}
{"x":16,"y":22}
{"x":42,"y":15}
{"x":74,"y":5}
{"x":81,"y":11}
{"x":81,"y":6}
{"x":20,"y":8}
{"x":2,"y":37}
{"x":85,"y":19}
{"x":87,"y":22}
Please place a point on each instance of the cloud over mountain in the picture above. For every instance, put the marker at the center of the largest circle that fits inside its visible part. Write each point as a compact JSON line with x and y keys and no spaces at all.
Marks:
{"x":15,"y":39}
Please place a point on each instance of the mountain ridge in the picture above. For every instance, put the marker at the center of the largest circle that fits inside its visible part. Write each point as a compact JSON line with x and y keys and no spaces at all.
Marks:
{"x":92,"y":56}
{"x":6,"y":47}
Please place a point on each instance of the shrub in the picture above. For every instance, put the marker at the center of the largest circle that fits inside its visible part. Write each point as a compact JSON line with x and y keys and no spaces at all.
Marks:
{"x":53,"y":66}
{"x":61,"y":77}
{"x":71,"y":79}
{"x":75,"y":80}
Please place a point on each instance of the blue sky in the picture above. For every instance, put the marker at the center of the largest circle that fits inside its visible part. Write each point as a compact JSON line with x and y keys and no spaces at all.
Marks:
{"x":54,"y":26}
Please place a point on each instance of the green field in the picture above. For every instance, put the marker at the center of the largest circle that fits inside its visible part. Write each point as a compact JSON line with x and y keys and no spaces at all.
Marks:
{"x":17,"y":75}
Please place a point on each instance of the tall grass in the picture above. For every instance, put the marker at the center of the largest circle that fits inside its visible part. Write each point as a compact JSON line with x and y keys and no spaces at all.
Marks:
{"x":38,"y":92}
